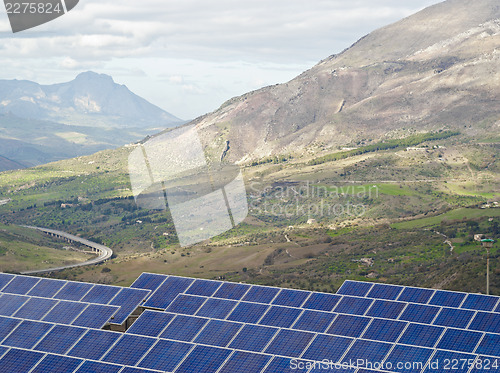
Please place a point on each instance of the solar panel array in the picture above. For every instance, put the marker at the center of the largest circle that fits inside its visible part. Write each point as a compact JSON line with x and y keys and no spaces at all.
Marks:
{"x":199,"y":326}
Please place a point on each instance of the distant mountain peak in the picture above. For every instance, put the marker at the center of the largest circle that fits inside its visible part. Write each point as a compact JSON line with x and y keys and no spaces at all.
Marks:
{"x":93,"y":76}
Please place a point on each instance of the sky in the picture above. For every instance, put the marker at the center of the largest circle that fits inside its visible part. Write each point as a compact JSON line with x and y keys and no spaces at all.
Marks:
{"x":190,"y":56}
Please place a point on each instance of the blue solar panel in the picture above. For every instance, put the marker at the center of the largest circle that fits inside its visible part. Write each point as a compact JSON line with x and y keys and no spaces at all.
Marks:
{"x":184,"y":328}
{"x":314,"y":321}
{"x":245,"y":362}
{"x":3,"y":350}
{"x":204,"y":359}
{"x":447,"y":299}
{"x":35,"y":308}
{"x":444,"y":361}
{"x":322,"y":302}
{"x":129,"y":349}
{"x":230,"y":290}
{"x":261,"y":294}
{"x":136,"y":370}
{"x":486,"y":322}
{"x":327,"y":347}
{"x":486,"y":364}
{"x":291,"y":298}
{"x":205,"y":288}
{"x":19,"y":361}
{"x":382,"y":291}
{"x":386,"y":309}
{"x":384,"y":330}
{"x":101,"y":294}
{"x":216,"y":308}
{"x":248,"y":312}
{"x":128,"y":300}
{"x":420,"y":313}
{"x":150,"y":323}
{"x":148,"y":281}
{"x":459,"y":340}
{"x":353,"y":306}
{"x":73,"y":291}
{"x":416,"y":295}
{"x":480,"y":302}
{"x":454,"y":318}
{"x":60,"y":339}
{"x":165,"y":355}
{"x":96,"y":367}
{"x":5,"y":278}
{"x":20,"y":285}
{"x":27,"y":334}
{"x":218,"y":333}
{"x":289,"y":343}
{"x":11,"y":303}
{"x":57,"y":364}
{"x":64,"y":312}
{"x":368,"y":351}
{"x":94,"y":344}
{"x":359,"y":289}
{"x":349,"y":326}
{"x":253,"y":338}
{"x":95,"y":316}
{"x":413,"y":359}
{"x":186,"y":304}
{"x":46,"y":288}
{"x":285,"y":365}
{"x":490,"y":345}
{"x":167,"y":292}
{"x":324,"y":367}
{"x":280,"y":316}
{"x":421,"y":335}
{"x":6,"y":326}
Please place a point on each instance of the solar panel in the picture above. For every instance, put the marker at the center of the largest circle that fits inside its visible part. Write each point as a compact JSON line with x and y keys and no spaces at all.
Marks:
{"x":9,"y":303}
{"x":486,"y":322}
{"x":383,"y":291}
{"x":314,"y":321}
{"x":101,"y":294}
{"x":35,"y":308}
{"x":97,"y":367}
{"x":73,"y":291}
{"x":262,"y":294}
{"x":454,"y":318}
{"x":216,"y":308}
{"x":384,"y":330}
{"x":444,"y":361}
{"x":416,"y":295}
{"x":349,"y":326}
{"x":420,"y":313}
{"x":56,"y":364}
{"x":353,"y":306}
{"x":65,"y":312}
{"x":167,"y":292}
{"x":486,"y":364}
{"x":136,"y":370}
{"x":203,"y":359}
{"x":129,"y":349}
{"x":359,"y":289}
{"x":20,"y":285}
{"x":253,"y":338}
{"x":245,"y":362}
{"x":95,"y":316}
{"x":94,"y":344}
{"x":229,"y":290}
{"x":60,"y":339}
{"x":5,"y":278}
{"x":205,"y":288}
{"x":248,"y":312}
{"x":291,"y":298}
{"x":327,"y":347}
{"x":289,"y":343}
{"x":421,"y":335}
{"x":480,"y":302}
{"x":285,"y":365}
{"x":7,"y":325}
{"x":459,"y":340}
{"x":186,"y":304}
{"x":46,"y":288}
{"x":490,"y":345}
{"x":413,"y":359}
{"x":184,"y":328}
{"x":19,"y":361}
{"x":322,"y":302}
{"x":280,"y":316}
{"x":447,"y":299}
{"x":386,"y":309}
{"x":323,"y":367}
{"x":165,"y":355}
{"x":148,"y":281}
{"x":150,"y":323}
{"x":367,"y":350}
{"x":128,"y":300}
{"x":27,"y":334}
{"x":3,"y":350}
{"x":218,"y":333}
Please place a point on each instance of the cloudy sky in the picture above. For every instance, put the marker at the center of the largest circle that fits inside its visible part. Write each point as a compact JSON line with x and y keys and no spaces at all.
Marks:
{"x":190,"y":56}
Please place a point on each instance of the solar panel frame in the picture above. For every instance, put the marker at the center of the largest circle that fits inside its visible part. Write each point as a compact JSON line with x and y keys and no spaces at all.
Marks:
{"x":355,"y":288}
{"x":10,"y":303}
{"x":349,"y":325}
{"x":203,"y":359}
{"x":327,"y":347}
{"x":242,"y":361}
{"x":98,"y":367}
{"x":74,"y":291}
{"x":290,"y":343}
{"x":35,"y":308}
{"x":231,"y":290}
{"x":314,"y":321}
{"x":454,"y":317}
{"x":186,"y":304}
{"x":20,"y":285}
{"x":489,"y":345}
{"x":322,"y":302}
{"x":206,"y":288}
{"x":101,"y":294}
{"x":184,"y":328}
{"x":291,"y":298}
{"x":95,"y":316}
{"x":7,"y":325}
{"x":416,"y":295}
{"x":27,"y":334}
{"x":419,"y":313}
{"x":253,"y":337}
{"x":128,"y":300}
{"x":373,"y":351}
{"x":247,"y":312}
{"x":149,"y":281}
{"x":57,"y":364}
{"x":167,"y":292}
{"x":386,"y":309}
{"x":150,"y":323}
{"x":65,"y":312}
{"x":280,"y":316}
{"x":384,"y":330}
{"x":486,"y":363}
{"x":445,"y":298}
{"x":353,"y":305}
{"x":459,"y":340}
{"x":422,"y":335}
{"x":384,"y":291}
{"x":165,"y":355}
{"x":16,"y":360}
{"x":217,"y":308}
{"x":480,"y":302}
{"x":60,"y":339}
{"x":440,"y":358}
{"x":5,"y":278}
{"x":129,"y":349}
{"x":94,"y":344}
{"x":46,"y":288}
{"x":285,"y":365}
{"x":218,"y":333}
{"x":486,"y":322}
{"x":261,"y":294}
{"x":417,"y":357}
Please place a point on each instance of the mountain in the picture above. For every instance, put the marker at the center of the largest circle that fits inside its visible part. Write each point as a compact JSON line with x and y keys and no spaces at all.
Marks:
{"x":45,"y":123}
{"x":435,"y":70}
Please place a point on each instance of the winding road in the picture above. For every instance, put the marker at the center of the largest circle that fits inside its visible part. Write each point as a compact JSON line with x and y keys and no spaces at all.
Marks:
{"x":105,"y":253}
